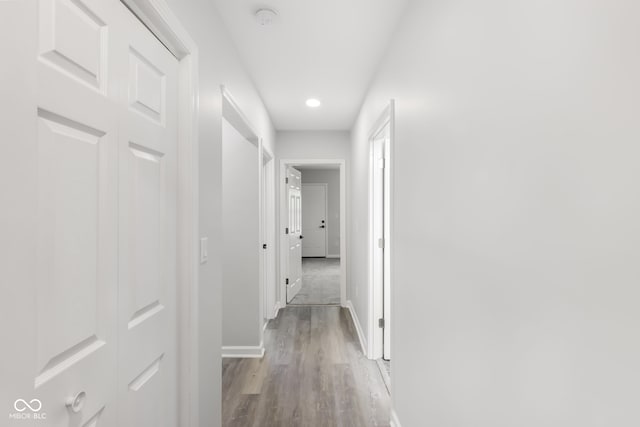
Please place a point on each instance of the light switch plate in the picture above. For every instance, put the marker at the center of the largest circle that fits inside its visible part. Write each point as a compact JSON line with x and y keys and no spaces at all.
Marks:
{"x":204,"y":250}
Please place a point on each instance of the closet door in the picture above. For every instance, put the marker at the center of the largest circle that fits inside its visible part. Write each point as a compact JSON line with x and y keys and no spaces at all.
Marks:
{"x":148,"y":137}
{"x":65,"y":364}
{"x":89,"y":153}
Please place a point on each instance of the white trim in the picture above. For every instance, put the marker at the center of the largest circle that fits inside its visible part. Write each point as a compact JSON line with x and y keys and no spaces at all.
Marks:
{"x":376,"y":308}
{"x":356,"y":322}
{"x":394,"y":421}
{"x":268,"y":204}
{"x":282,"y":208}
{"x":232,"y":113}
{"x":243,"y":352}
{"x":276,"y":309}
{"x":326,"y":212}
{"x":333,"y":256}
{"x":161,"y":21}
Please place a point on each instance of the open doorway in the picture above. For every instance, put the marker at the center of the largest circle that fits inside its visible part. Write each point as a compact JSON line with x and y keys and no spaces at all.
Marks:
{"x":245,"y":232}
{"x":320,"y":217}
{"x":380,"y":240}
{"x":313,"y":244}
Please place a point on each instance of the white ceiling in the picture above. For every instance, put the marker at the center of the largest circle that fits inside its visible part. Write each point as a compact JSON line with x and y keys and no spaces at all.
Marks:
{"x":325,"y":49}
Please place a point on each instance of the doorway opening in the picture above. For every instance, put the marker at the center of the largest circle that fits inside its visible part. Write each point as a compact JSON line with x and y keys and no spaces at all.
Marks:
{"x":313,"y":249}
{"x":245,"y":228}
{"x":381,"y":241}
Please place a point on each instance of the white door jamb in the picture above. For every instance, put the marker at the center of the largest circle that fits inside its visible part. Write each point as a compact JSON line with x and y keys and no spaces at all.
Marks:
{"x":375,"y":335}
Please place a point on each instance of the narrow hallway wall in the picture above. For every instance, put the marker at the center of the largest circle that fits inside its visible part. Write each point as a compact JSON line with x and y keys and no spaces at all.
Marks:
{"x":218,"y":64}
{"x":517,"y":200}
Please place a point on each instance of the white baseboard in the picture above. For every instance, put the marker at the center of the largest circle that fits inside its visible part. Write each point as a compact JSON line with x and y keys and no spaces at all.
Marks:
{"x":243,"y":351}
{"x":356,"y":322}
{"x":333,"y":256}
{"x":276,"y":309}
{"x":394,"y":422}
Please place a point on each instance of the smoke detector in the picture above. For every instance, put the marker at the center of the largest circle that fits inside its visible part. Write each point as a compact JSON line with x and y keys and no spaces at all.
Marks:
{"x":265,"y":17}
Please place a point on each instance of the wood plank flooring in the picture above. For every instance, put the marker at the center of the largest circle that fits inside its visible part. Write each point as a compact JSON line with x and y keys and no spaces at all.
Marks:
{"x":312,"y":375}
{"x":320,"y":282}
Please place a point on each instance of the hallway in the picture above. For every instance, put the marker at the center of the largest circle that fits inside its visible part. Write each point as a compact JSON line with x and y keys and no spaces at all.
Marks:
{"x":320,"y":282}
{"x":313,"y":374}
{"x":460,"y":176}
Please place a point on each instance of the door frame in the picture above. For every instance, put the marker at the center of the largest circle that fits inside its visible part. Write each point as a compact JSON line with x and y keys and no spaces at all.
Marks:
{"x":268,"y":222}
{"x":164,"y":24}
{"x":282,"y":218}
{"x":326,"y":212}
{"x":376,"y":307}
{"x":233,"y":114}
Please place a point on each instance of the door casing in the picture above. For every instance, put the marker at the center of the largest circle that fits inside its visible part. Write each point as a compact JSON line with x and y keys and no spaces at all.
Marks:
{"x":268,"y":235}
{"x":376,"y":310}
{"x":233,"y":114}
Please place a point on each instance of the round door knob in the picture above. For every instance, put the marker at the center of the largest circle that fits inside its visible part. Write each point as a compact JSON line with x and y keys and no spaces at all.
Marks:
{"x":301,"y":236}
{"x":76,"y":403}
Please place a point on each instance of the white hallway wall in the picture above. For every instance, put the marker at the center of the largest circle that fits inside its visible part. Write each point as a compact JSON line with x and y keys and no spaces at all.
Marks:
{"x":241,"y":315}
{"x":517,"y":200}
{"x":331,"y":177}
{"x":310,"y":145}
{"x":219,"y":64}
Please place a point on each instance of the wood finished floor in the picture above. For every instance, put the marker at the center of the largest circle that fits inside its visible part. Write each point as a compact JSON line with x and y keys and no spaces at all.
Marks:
{"x":320,"y":282}
{"x":313,"y":374}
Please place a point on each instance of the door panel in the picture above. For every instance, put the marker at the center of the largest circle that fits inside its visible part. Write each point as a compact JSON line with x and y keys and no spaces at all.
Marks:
{"x":98,"y":317}
{"x":294,"y":208}
{"x":314,"y":220}
{"x":73,"y":39}
{"x":76,"y":215}
{"x":147,"y":251}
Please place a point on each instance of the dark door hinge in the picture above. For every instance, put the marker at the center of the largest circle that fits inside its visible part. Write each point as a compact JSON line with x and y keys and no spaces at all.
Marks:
{"x":286,"y":230}
{"x":380,"y":323}
{"x":264,"y":246}
{"x":286,"y":281}
{"x":286,"y":180}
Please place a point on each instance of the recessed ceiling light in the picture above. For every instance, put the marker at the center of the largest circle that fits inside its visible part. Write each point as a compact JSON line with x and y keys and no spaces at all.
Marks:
{"x":265,"y":17}
{"x":313,"y":103}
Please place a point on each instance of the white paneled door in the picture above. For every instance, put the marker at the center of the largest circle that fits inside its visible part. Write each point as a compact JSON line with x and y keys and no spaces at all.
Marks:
{"x":147,"y":144}
{"x":314,"y":220}
{"x":294,"y":230}
{"x":97,"y":323}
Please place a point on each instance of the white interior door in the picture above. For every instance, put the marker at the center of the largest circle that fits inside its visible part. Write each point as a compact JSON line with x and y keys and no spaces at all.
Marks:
{"x":294,"y":230}
{"x":96,"y":322}
{"x":147,"y":204}
{"x":68,"y":322}
{"x":314,"y":220}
